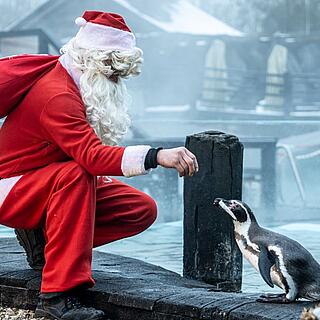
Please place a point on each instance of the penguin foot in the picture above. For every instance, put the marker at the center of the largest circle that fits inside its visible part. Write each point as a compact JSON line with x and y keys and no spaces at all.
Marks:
{"x":273,"y":298}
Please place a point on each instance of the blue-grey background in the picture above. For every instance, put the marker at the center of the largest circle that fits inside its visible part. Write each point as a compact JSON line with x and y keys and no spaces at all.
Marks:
{"x":245,"y":67}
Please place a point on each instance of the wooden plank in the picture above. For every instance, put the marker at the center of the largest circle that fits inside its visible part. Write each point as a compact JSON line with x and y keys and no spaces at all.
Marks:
{"x":188,"y":302}
{"x":146,"y":294}
{"x":258,"y":311}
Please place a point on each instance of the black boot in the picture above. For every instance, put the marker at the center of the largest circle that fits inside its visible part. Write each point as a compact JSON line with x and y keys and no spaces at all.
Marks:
{"x":65,"y":306}
{"x":33,"y":242}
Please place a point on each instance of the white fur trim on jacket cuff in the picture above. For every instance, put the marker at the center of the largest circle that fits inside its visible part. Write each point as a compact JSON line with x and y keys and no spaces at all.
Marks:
{"x":133,"y":160}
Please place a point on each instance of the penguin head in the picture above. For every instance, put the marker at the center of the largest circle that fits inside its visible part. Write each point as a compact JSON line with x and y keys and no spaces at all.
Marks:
{"x":239,"y":211}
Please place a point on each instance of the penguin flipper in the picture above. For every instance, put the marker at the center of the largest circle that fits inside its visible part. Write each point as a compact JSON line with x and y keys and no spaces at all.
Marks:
{"x":266,"y":261}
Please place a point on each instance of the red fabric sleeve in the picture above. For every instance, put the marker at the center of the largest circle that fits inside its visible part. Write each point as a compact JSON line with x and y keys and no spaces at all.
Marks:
{"x":64,"y":120}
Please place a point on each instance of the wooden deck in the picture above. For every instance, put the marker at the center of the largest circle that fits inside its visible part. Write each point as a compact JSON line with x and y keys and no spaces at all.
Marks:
{"x":130,"y":289}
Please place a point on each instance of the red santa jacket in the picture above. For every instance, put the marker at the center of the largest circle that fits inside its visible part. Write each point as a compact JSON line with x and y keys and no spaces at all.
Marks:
{"x":50,"y":125}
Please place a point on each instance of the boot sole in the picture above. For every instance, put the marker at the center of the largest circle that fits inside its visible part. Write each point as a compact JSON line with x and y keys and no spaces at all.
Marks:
{"x":33,"y":243}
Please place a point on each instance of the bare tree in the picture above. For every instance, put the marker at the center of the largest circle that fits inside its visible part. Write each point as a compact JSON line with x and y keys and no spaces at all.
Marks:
{"x":268,"y":17}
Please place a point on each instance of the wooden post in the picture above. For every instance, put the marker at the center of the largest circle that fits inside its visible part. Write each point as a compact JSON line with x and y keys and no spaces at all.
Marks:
{"x":210,"y":251}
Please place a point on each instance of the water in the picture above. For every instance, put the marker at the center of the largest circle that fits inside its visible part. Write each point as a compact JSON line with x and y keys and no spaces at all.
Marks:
{"x":162,"y":245}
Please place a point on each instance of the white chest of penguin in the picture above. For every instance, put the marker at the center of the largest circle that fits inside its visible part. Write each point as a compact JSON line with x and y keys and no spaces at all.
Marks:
{"x":251,"y":253}
{"x":249,"y":250}
{"x":252,"y":257}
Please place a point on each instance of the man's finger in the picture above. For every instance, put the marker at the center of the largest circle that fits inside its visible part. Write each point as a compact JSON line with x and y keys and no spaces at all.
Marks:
{"x":180,"y":169}
{"x":194,"y":158}
{"x":185,"y":165}
{"x":190,"y":163}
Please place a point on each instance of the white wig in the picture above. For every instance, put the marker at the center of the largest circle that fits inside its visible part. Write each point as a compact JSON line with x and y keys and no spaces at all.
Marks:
{"x":102,"y":89}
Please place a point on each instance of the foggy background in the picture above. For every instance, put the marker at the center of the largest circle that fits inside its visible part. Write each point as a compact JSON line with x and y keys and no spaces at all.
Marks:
{"x":245,"y":67}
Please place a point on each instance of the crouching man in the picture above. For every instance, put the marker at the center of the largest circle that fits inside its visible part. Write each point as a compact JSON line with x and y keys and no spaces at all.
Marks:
{"x":56,"y":148}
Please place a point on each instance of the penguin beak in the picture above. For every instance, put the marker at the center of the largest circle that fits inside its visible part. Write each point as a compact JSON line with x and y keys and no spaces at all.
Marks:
{"x":218,"y":202}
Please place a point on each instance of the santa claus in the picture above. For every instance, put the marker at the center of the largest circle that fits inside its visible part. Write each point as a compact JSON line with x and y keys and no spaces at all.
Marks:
{"x":58,"y":144}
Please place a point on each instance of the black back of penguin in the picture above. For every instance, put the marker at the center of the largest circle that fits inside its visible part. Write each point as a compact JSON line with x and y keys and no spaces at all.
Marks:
{"x":299,"y":262}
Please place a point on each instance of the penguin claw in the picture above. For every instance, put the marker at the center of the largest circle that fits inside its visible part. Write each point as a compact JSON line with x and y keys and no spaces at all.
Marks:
{"x":273,"y":298}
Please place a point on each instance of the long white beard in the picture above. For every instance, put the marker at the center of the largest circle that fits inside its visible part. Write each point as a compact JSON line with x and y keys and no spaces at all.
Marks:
{"x":106,"y":106}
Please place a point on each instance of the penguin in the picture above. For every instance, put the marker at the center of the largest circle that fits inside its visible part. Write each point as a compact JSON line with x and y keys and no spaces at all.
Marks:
{"x":311,"y":314}
{"x":280,"y":260}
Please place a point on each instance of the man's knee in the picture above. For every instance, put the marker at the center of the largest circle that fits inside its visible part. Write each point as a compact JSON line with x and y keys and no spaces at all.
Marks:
{"x":149,"y":211}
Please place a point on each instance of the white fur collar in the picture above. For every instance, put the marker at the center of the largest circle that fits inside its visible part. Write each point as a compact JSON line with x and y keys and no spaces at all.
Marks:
{"x":74,"y":73}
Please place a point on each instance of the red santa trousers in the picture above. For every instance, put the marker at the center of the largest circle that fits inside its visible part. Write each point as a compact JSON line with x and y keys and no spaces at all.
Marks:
{"x":77,"y":213}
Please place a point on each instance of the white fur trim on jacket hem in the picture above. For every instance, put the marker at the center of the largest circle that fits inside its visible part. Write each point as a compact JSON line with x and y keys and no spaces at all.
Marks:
{"x":133,"y":160}
{"x":5,"y":187}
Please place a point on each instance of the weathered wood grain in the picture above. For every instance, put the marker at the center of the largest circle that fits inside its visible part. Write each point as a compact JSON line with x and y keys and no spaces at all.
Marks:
{"x":210,"y":251}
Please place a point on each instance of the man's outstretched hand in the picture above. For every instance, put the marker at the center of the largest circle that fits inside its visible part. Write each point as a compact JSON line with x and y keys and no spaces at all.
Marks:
{"x":181,"y":159}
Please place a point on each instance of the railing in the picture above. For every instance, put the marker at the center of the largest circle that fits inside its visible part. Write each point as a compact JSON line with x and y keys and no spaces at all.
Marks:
{"x":254,"y":92}
{"x":43,"y":44}
{"x":171,"y":200}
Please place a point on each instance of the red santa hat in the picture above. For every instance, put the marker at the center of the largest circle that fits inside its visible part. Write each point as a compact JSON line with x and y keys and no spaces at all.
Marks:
{"x":104,"y":31}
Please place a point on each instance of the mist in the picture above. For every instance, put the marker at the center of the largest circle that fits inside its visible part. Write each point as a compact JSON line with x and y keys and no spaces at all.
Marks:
{"x":244,"y":67}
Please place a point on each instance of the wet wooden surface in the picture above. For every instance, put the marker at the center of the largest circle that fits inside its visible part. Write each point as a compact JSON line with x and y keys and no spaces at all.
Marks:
{"x":129,"y":289}
{"x":210,"y":251}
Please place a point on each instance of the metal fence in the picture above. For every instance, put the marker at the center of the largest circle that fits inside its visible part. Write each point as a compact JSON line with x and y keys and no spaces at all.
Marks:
{"x":31,"y":41}
{"x":253,"y":92}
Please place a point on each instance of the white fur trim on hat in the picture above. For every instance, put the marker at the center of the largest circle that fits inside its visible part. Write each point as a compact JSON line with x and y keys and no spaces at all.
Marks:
{"x":133,"y":160}
{"x":96,"y":36}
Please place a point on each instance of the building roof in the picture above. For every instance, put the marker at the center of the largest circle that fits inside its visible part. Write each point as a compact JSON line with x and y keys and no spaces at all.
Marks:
{"x":56,"y":17}
{"x":179,"y":16}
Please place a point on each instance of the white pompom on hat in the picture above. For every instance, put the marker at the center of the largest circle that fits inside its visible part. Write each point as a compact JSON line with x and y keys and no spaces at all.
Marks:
{"x":80,"y":21}
{"x":104,"y":31}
